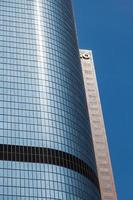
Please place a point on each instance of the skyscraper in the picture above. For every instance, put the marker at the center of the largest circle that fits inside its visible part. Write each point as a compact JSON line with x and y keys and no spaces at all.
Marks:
{"x":46,"y":149}
{"x":106,"y":180}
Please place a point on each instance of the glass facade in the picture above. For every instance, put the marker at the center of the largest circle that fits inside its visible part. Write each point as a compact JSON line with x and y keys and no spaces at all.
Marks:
{"x":46,"y":147}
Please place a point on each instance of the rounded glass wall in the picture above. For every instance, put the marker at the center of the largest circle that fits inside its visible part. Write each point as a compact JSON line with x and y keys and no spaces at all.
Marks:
{"x":42,"y":103}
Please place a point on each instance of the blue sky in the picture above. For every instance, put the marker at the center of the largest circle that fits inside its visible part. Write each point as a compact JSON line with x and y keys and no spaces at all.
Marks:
{"x":106,"y":27}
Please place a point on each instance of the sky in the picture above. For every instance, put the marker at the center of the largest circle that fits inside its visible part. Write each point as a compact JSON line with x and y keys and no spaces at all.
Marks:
{"x":106,"y":27}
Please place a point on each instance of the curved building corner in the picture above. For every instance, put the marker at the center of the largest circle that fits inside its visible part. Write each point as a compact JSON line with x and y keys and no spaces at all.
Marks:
{"x":46,"y":149}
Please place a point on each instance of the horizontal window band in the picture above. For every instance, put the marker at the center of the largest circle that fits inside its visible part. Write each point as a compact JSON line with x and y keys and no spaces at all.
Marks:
{"x":47,"y":156}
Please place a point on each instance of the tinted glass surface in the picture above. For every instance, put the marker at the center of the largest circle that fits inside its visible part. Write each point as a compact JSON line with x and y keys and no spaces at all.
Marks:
{"x":42,"y":100}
